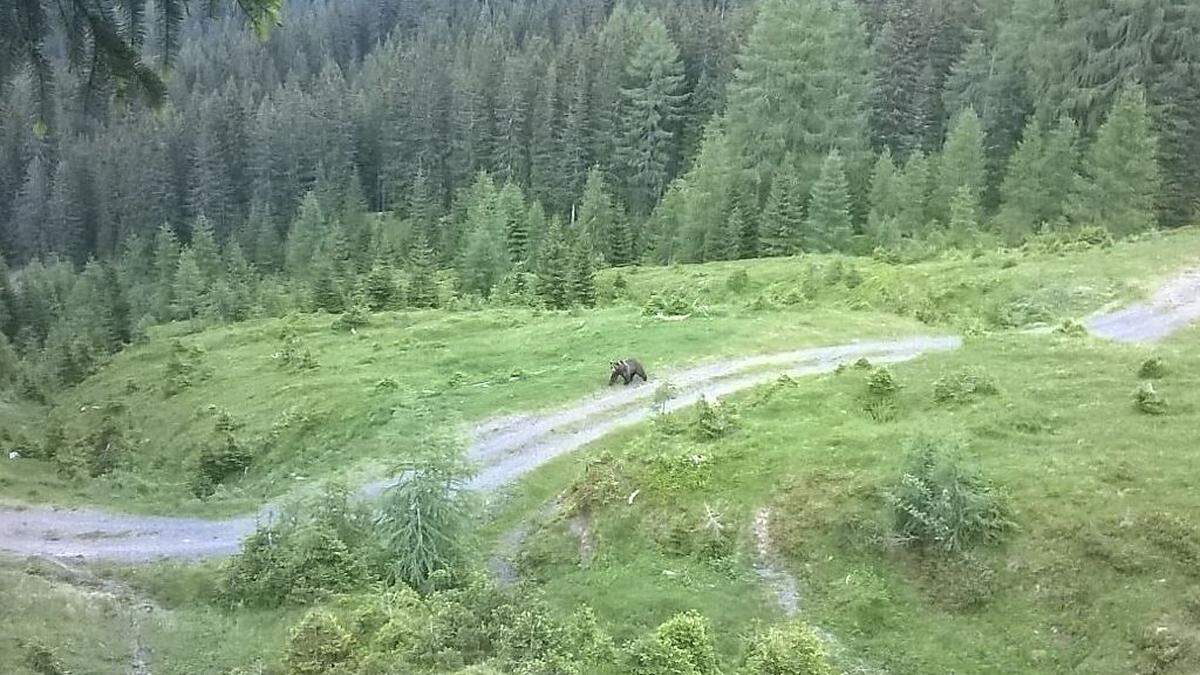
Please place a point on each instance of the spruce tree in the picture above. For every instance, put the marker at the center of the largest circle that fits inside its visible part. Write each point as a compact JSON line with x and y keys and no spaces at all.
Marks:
{"x":828,"y":227}
{"x":1121,"y":176}
{"x":380,"y":289}
{"x":1039,"y":179}
{"x":599,"y":221}
{"x":535,"y":227}
{"x":653,"y":100}
{"x":510,"y":211}
{"x":582,"y":274}
{"x":961,"y":164}
{"x":964,"y":217}
{"x":326,"y":296}
{"x":484,"y":261}
{"x":801,"y":86}
{"x":554,"y":267}
{"x":885,"y":195}
{"x":188,"y":291}
{"x":422,"y":285}
{"x":304,"y":238}
{"x":166,"y":265}
{"x":913,"y":191}
{"x":204,"y":248}
{"x":782,"y":221}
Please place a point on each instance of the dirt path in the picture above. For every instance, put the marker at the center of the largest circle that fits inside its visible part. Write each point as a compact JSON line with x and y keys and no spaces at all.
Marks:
{"x":511,"y":447}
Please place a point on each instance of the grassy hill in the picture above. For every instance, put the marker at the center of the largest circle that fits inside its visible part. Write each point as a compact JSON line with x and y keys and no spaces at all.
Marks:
{"x":367,"y":398}
{"x":1096,"y":574}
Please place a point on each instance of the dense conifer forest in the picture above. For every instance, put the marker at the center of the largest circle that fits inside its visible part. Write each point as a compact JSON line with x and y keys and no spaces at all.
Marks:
{"x":420,"y":153}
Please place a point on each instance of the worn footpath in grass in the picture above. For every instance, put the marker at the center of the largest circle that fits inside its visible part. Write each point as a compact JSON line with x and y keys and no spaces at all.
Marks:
{"x":1099,"y":576}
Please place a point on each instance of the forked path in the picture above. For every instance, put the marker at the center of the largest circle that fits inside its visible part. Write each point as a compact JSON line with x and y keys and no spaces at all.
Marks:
{"x":509,"y":448}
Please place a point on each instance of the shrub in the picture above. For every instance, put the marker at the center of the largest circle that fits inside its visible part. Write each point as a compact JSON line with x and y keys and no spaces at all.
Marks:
{"x":789,"y":649}
{"x":668,"y":303}
{"x":294,"y":354}
{"x":1153,"y":368}
{"x":683,"y":644}
{"x":598,"y":484}
{"x":940,"y":503}
{"x":712,"y":421}
{"x":100,"y":451}
{"x":351,"y":320}
{"x":42,"y":660}
{"x":1147,"y":399}
{"x":183,"y":368}
{"x":1021,"y":312}
{"x":387,"y":384}
{"x":319,"y":645}
{"x":219,"y":461}
{"x":316,"y":548}
{"x":663,"y":394}
{"x":882,"y":382}
{"x":424,"y":519}
{"x":738,"y":282}
{"x":963,"y":386}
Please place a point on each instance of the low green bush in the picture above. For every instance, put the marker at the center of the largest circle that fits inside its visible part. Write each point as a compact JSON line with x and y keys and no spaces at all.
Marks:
{"x":882,"y":382}
{"x":352,"y":319}
{"x":788,"y":649}
{"x":941,"y":503}
{"x":1153,"y":368}
{"x":963,"y":386}
{"x":712,"y":421}
{"x":683,"y":644}
{"x":319,"y":645}
{"x":1148,"y":400}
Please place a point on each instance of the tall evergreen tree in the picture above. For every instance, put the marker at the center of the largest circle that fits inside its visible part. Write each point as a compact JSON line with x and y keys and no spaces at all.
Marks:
{"x":962,"y":163}
{"x":913,"y":190}
{"x":828,"y":227}
{"x":653,"y":100}
{"x":801,"y":86}
{"x":884,"y":198}
{"x":582,"y":274}
{"x":600,"y":222}
{"x":1039,"y":181}
{"x":510,"y":210}
{"x":554,"y":267}
{"x":1121,"y":176}
{"x":187,"y":295}
{"x":304,"y":237}
{"x":782,"y":222}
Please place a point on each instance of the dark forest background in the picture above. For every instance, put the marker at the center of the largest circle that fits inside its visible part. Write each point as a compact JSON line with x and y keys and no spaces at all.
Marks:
{"x":417,"y":153}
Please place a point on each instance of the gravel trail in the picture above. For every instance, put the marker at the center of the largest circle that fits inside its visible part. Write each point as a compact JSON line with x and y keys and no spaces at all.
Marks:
{"x":508,"y":448}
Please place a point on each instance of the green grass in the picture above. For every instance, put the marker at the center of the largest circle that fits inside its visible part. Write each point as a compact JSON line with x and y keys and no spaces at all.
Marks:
{"x":339,"y":421}
{"x":85,"y":631}
{"x":1100,"y":576}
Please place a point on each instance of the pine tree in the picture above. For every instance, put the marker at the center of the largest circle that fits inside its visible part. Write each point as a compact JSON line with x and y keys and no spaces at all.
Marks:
{"x":554,"y":267}
{"x":582,"y":274}
{"x":801,"y":86}
{"x":188,"y":291}
{"x":900,"y":101}
{"x":535,"y":227}
{"x":783,"y":216}
{"x":962,"y":163}
{"x":380,"y":287}
{"x":600,"y":222}
{"x":304,"y":238}
{"x":964,"y":217}
{"x":484,"y":261}
{"x":31,"y":210}
{"x":422,"y":286}
{"x":166,"y":266}
{"x":325,"y":293}
{"x":828,"y":227}
{"x":652,"y":103}
{"x":204,"y":248}
{"x":1039,"y":179}
{"x":913,"y":192}
{"x":510,"y":208}
{"x":1121,"y":175}
{"x":885,"y":198}
{"x":732,"y":233}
